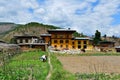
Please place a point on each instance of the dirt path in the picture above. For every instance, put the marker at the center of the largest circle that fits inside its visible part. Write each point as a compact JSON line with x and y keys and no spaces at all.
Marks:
{"x":50,"y":71}
{"x":91,"y":64}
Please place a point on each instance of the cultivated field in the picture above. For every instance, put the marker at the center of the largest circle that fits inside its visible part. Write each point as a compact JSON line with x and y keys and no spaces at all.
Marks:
{"x":24,"y":66}
{"x":91,"y":64}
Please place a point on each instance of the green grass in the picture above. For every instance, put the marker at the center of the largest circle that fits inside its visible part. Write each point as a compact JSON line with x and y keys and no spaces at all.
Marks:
{"x":100,"y":54}
{"x":97,"y":76}
{"x":58,"y":72}
{"x":91,"y":54}
{"x":25,"y":66}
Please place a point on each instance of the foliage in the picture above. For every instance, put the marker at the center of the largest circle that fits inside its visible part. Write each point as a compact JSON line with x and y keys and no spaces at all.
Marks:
{"x":25,"y":66}
{"x":58,"y":72}
{"x":97,"y":37}
{"x":12,"y":40}
{"x":76,"y":34}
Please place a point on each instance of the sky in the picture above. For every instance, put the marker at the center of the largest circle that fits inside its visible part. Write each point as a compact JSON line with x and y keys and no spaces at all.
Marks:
{"x":84,"y":16}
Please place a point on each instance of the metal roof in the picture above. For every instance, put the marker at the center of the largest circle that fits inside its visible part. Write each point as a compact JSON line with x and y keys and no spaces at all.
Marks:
{"x":25,"y":36}
{"x":106,"y":42}
{"x":45,"y":35}
{"x":32,"y":44}
{"x":82,"y":38}
{"x":56,"y":30}
{"x":117,"y":46}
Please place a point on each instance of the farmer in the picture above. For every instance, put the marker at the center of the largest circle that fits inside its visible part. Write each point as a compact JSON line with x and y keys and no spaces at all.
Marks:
{"x":43,"y":58}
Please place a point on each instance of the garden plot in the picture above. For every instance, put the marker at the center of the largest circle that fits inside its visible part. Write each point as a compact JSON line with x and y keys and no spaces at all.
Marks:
{"x":91,"y":64}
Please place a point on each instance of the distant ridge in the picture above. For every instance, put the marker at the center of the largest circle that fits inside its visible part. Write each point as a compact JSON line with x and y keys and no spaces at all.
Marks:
{"x":2,"y":23}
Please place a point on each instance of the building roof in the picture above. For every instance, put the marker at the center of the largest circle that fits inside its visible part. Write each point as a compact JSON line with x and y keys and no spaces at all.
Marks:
{"x":25,"y":36}
{"x":45,"y":35}
{"x":106,"y":42}
{"x":82,"y":38}
{"x":61,"y":30}
{"x":32,"y":44}
{"x":117,"y":47}
{"x":1,"y":41}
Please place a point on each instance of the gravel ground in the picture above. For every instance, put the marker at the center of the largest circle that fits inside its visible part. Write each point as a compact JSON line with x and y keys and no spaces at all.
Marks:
{"x":91,"y":64}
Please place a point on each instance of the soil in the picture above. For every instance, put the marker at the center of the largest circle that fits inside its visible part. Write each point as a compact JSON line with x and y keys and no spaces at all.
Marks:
{"x":91,"y":64}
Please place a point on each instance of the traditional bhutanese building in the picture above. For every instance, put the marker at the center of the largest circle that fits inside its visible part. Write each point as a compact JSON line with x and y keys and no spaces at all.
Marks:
{"x":30,"y":43}
{"x":46,"y":38}
{"x":82,"y":43}
{"x":106,"y":46}
{"x":58,"y":38}
{"x":64,"y":39}
{"x":61,"y":38}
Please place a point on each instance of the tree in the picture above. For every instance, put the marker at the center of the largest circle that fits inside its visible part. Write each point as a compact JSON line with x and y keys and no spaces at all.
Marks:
{"x":12,"y":40}
{"x":105,"y":36}
{"x":76,"y":34}
{"x":97,"y":37}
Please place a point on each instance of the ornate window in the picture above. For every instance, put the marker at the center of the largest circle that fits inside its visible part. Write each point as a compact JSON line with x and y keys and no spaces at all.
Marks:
{"x":61,"y":41}
{"x":85,"y":42}
{"x":55,"y":41}
{"x":26,"y":40}
{"x":21,"y":41}
{"x":55,"y":46}
{"x":73,"y":43}
{"x":79,"y":42}
{"x":85,"y":46}
{"x":73,"y":47}
{"x":79,"y":46}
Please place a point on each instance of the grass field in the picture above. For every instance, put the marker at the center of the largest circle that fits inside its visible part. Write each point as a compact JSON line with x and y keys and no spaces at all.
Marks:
{"x":59,"y":73}
{"x":91,"y":53}
{"x":25,"y":66}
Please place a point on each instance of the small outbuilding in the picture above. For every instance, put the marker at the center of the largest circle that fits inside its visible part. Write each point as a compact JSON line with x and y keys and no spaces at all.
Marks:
{"x":106,"y":45}
{"x":117,"y":49}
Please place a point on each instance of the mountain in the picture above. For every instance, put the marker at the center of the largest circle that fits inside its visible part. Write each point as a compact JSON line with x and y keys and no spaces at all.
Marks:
{"x":6,"y":26}
{"x":32,"y":28}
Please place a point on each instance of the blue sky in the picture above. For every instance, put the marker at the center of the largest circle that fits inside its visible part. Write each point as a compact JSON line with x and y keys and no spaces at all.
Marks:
{"x":85,"y":16}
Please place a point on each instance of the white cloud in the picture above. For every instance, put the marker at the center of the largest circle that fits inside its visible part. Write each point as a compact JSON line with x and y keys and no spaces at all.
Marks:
{"x":81,"y":15}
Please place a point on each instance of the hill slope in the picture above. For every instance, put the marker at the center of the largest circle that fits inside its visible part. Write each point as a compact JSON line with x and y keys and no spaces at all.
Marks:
{"x":32,"y":28}
{"x":6,"y":26}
